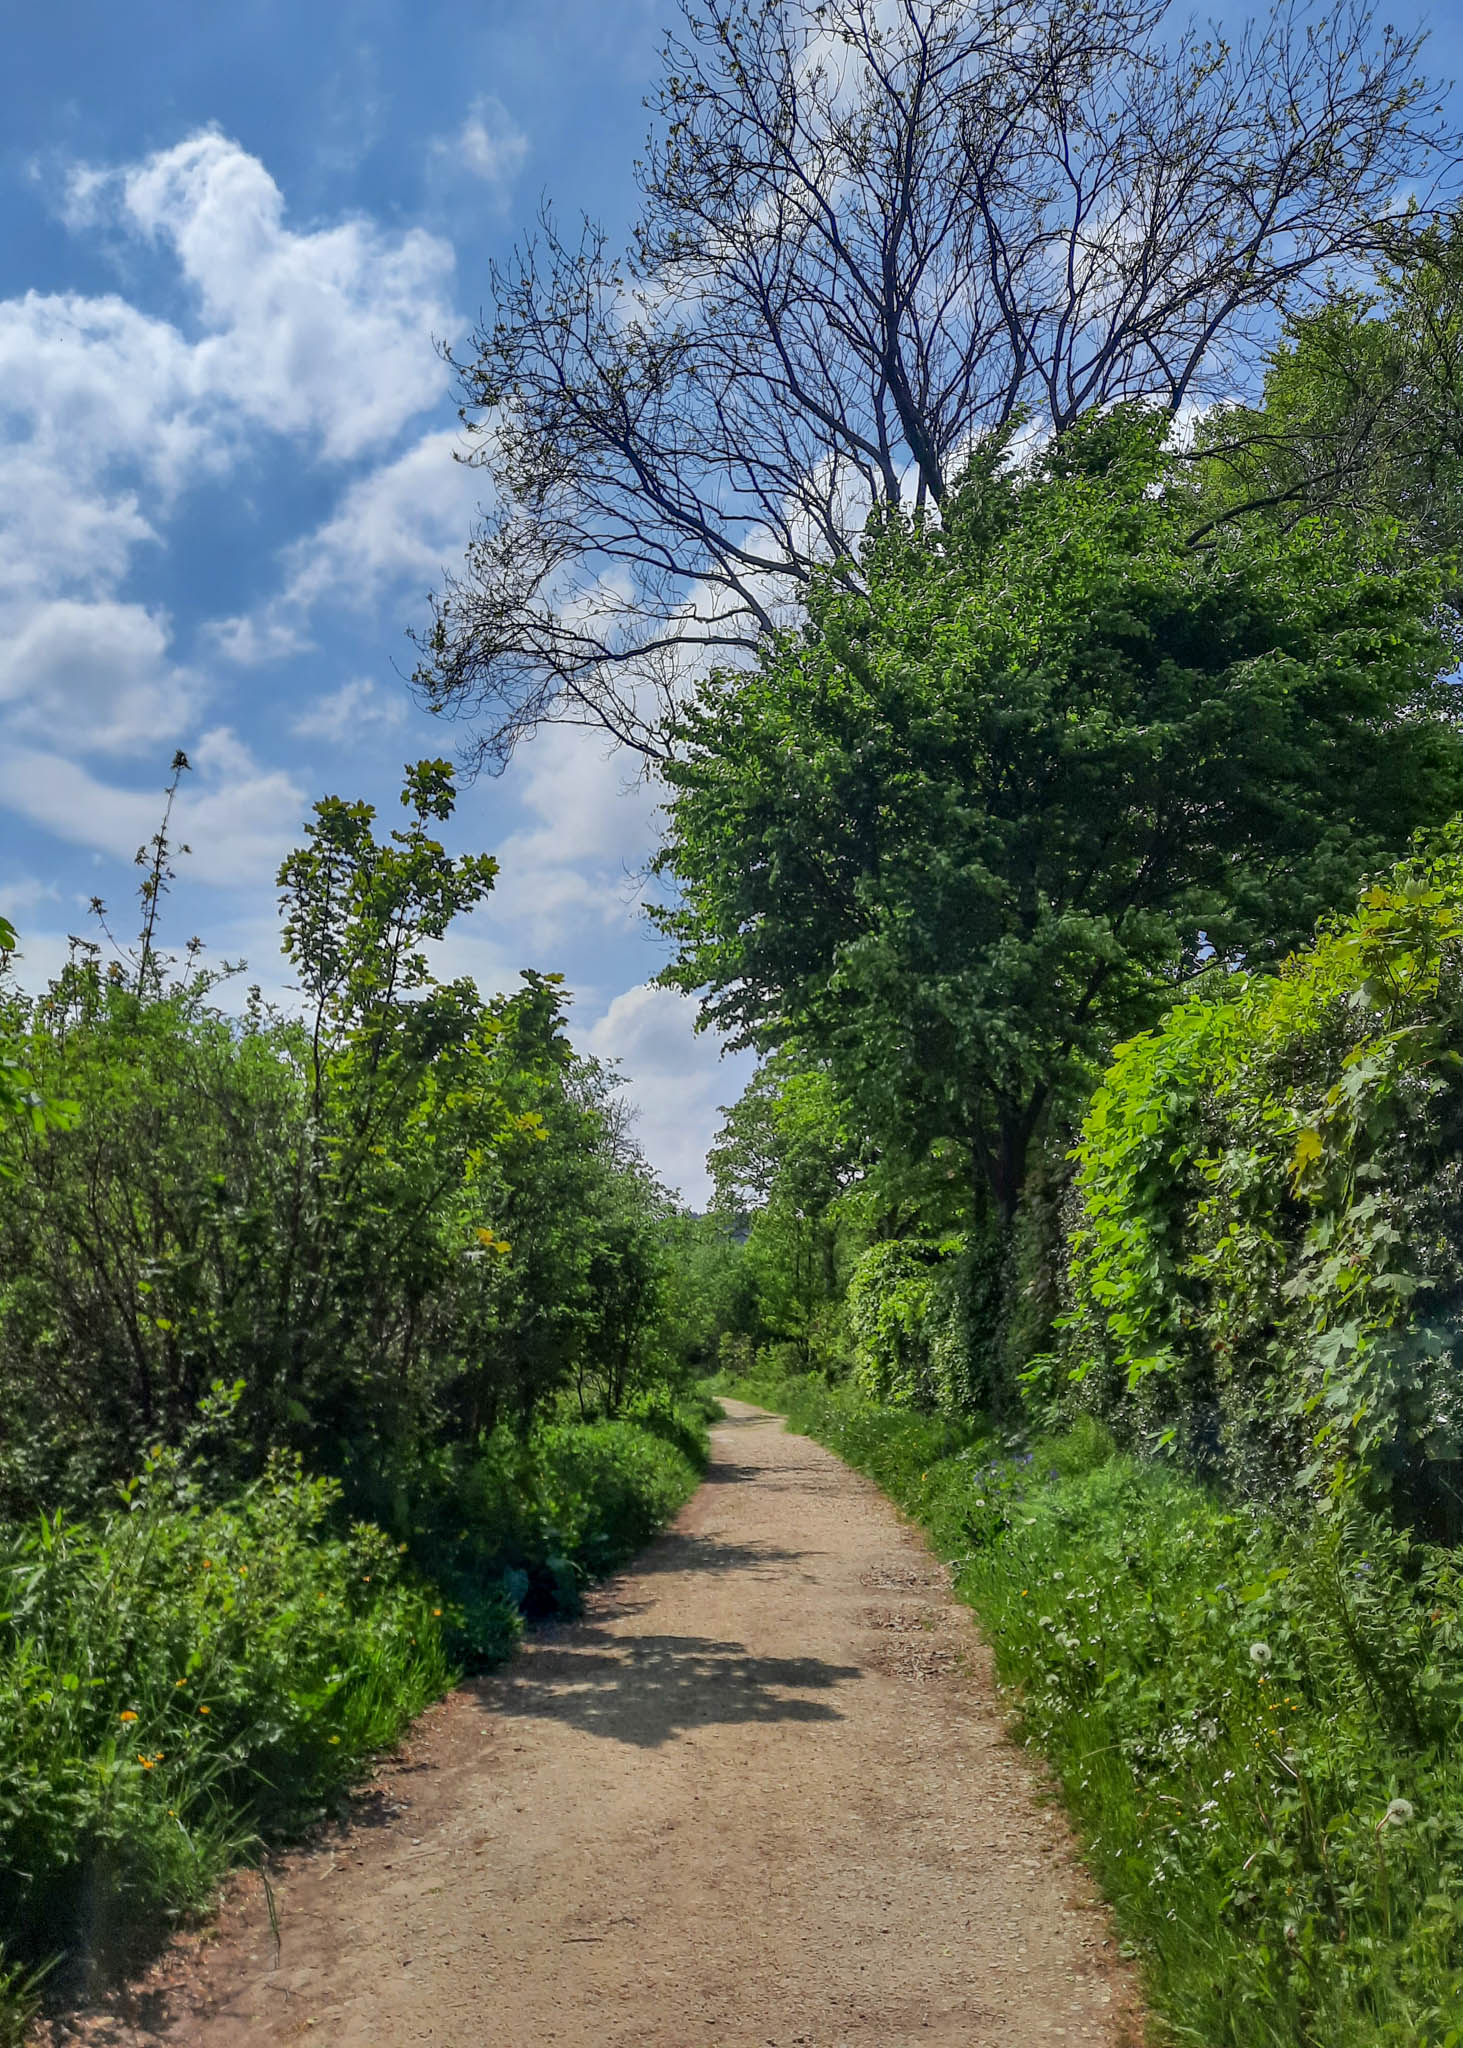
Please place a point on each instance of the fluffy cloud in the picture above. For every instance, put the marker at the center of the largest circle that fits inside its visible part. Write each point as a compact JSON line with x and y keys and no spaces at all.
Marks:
{"x":677,"y":1080}
{"x":99,"y":670}
{"x":586,"y":853}
{"x":239,"y":818}
{"x":109,"y":414}
{"x":318,"y":334}
{"x":393,"y":527}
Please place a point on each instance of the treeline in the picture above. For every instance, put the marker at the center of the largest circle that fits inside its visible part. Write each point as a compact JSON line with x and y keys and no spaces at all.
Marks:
{"x":333,"y":1342}
{"x":1089,"y":868}
{"x":1108,"y":743}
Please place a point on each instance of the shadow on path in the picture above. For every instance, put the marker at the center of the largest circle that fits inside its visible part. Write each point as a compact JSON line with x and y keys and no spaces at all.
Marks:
{"x":647,"y":1689}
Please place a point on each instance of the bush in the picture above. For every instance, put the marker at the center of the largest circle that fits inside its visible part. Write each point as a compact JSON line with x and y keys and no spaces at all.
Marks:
{"x":177,"y":1676}
{"x":182,"y":1677}
{"x":922,"y":1316}
{"x":1256,"y":1723}
{"x":1267,"y":1265}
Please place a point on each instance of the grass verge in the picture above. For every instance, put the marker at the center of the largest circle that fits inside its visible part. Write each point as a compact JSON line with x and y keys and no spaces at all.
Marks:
{"x":1255,"y":1725}
{"x":183,"y":1680}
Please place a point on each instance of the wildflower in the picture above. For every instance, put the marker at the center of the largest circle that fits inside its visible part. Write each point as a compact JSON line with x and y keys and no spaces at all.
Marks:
{"x":437,"y":1613}
{"x":1259,"y":1653}
{"x":145,"y":1761}
{"x":1398,"y":1814}
{"x":208,"y":1564}
{"x":243,"y":1571}
{"x":204,"y":1710}
{"x":127,"y":1715}
{"x":335,"y":1738}
{"x":178,"y":1684}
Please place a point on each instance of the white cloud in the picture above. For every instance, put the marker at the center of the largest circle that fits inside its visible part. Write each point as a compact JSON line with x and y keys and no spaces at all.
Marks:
{"x":585,"y":855}
{"x":323,"y":335}
{"x":489,"y":145}
{"x":343,"y":716}
{"x":239,"y":818}
{"x":394,"y":526}
{"x":677,"y":1079}
{"x":100,"y":671}
{"x":319,"y":333}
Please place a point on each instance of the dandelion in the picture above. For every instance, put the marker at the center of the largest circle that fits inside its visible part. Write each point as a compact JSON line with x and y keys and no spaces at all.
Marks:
{"x":127,"y":1715}
{"x":1260,"y":1653}
{"x":1398,"y":1814}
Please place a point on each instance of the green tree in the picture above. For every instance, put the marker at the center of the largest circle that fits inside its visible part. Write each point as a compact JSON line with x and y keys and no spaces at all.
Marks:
{"x":984,"y":815}
{"x":1362,"y":407}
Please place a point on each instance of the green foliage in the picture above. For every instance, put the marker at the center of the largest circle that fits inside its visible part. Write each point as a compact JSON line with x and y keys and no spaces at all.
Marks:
{"x":183,"y":1674}
{"x":412,"y":1234}
{"x":920,"y":1315}
{"x":1023,"y":774}
{"x":1361,"y":407}
{"x":178,"y":1673}
{"x":1267,"y":1259}
{"x":411,"y":1212}
{"x":1256,"y":1723}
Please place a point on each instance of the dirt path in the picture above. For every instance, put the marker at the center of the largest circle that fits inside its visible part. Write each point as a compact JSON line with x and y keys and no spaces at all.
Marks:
{"x":759,"y":1795}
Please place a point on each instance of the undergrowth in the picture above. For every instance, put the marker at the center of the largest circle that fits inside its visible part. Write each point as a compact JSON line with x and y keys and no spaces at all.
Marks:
{"x":1255,"y":1726}
{"x":183,"y":1679}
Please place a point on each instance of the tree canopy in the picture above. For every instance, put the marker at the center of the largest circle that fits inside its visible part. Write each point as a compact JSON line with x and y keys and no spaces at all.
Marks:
{"x":994,"y":807}
{"x":869,"y":234}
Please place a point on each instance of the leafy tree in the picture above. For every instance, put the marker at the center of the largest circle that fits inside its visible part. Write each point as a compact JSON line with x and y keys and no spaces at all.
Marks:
{"x":984,"y":815}
{"x":1362,"y":407}
{"x":394,"y":1221}
{"x":870,"y":234}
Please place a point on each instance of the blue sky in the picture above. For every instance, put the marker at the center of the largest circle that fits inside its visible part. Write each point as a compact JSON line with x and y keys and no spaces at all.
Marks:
{"x":228,"y":241}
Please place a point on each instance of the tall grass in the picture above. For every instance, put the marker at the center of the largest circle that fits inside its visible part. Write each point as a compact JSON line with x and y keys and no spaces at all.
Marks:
{"x":1256,"y":1725}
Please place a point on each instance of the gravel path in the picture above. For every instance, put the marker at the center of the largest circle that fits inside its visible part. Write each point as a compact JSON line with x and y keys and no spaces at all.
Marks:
{"x":761,"y":1794}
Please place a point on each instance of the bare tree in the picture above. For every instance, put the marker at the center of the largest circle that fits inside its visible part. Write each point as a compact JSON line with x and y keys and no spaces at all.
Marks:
{"x":872,"y":231}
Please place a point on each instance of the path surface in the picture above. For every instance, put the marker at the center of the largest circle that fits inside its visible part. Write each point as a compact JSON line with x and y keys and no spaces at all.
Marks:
{"x":760,"y":1795}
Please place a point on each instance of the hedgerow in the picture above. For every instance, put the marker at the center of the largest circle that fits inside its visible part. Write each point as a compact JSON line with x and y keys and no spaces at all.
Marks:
{"x":1267,"y":1262}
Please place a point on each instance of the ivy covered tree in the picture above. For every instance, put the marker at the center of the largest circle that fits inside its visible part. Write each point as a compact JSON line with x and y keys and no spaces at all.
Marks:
{"x":990,"y":811}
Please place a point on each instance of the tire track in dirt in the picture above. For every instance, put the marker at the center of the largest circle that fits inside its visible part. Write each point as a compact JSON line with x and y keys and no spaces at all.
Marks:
{"x":760,"y":1794}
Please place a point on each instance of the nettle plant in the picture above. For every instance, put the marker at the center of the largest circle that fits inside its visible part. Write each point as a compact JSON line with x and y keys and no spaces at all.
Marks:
{"x":1267,"y":1258}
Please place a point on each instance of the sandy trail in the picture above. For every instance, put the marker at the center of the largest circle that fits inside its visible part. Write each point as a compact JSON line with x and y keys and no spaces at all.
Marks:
{"x":760,"y":1795}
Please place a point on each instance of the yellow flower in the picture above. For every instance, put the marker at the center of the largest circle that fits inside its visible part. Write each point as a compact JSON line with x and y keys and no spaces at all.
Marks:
{"x":178,"y":1684}
{"x":437,"y":1612}
{"x":204,"y":1710}
{"x":335,"y":1738}
{"x":127,"y":1715}
{"x":146,"y":1762}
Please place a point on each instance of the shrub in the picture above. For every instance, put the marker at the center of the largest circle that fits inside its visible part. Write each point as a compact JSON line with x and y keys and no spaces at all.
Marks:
{"x":915,"y":1312}
{"x":176,"y":1676}
{"x":1267,"y":1264}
